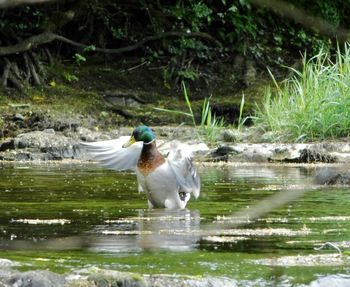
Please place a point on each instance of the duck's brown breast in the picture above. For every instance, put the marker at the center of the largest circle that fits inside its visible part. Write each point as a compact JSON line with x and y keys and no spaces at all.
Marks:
{"x":150,"y":159}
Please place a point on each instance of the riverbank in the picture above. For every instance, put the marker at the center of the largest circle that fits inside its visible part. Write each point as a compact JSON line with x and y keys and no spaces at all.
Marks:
{"x":95,"y":277}
{"x":49,"y":145}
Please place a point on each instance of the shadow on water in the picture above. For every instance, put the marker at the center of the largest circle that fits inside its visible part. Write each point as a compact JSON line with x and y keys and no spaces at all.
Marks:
{"x":250,"y":223}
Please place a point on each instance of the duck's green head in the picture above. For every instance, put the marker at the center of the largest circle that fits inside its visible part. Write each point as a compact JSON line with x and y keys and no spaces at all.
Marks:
{"x":141,"y":134}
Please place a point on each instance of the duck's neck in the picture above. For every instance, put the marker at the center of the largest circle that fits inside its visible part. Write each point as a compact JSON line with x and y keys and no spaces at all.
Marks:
{"x":150,"y":158}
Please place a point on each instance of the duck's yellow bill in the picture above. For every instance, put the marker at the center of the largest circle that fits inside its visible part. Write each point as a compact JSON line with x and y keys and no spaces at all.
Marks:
{"x":130,"y":142}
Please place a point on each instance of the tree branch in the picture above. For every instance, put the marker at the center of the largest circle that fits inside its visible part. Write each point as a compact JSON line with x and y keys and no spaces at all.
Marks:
{"x":298,"y":15}
{"x":11,"y":3}
{"x":48,"y":37}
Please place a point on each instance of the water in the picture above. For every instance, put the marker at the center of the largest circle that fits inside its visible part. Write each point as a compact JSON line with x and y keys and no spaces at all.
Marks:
{"x":69,"y":216}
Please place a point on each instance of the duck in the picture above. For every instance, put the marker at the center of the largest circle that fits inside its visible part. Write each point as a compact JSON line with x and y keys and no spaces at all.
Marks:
{"x":168,"y":177}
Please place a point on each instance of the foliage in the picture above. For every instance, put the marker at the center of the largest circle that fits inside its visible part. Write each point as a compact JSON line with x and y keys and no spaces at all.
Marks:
{"x":78,"y":58}
{"x":240,"y":27}
{"x":69,"y":77}
{"x":312,"y":104}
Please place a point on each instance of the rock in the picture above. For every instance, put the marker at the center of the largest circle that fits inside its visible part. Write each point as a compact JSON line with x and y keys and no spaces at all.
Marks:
{"x":6,"y":145}
{"x":41,"y":145}
{"x":57,"y":147}
{"x":331,"y":176}
{"x":41,"y":121}
{"x":283,"y":153}
{"x":101,"y":282}
{"x":7,"y":263}
{"x":88,"y":135}
{"x":39,"y":278}
{"x":51,"y":145}
{"x":49,"y":131}
{"x":124,"y":98}
{"x":222,"y":153}
{"x":190,"y":282}
{"x":102,"y":277}
{"x":331,"y":281}
{"x":23,"y":156}
{"x":169,"y":133}
{"x":228,"y":136}
{"x":121,"y":100}
{"x":313,"y":155}
{"x":18,"y":117}
{"x":68,"y":124}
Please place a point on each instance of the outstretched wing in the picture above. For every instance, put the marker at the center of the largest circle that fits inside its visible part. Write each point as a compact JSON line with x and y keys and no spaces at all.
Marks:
{"x":180,"y":161}
{"x":111,"y":153}
{"x":186,"y":176}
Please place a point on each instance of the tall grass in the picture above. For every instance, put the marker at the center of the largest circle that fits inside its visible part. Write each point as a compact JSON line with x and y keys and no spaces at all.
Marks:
{"x":313,"y":104}
{"x":210,"y":123}
{"x":209,"y":126}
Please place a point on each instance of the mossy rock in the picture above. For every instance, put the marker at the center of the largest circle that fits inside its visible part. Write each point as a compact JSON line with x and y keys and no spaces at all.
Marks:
{"x":107,"y":278}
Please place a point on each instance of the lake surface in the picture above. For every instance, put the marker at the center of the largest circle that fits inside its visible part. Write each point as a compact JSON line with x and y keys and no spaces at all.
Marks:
{"x":64,"y":217}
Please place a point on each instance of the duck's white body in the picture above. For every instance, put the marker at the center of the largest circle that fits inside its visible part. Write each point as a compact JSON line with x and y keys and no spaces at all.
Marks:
{"x":161,"y":188}
{"x":169,"y":185}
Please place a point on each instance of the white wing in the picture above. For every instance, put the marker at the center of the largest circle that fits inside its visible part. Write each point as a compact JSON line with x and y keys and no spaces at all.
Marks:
{"x":111,"y":153}
{"x":186,"y":176}
{"x":180,"y":160}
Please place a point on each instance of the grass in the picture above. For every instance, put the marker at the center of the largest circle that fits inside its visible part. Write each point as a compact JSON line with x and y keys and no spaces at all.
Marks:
{"x":210,"y":124}
{"x":241,"y":120}
{"x":314,"y":104}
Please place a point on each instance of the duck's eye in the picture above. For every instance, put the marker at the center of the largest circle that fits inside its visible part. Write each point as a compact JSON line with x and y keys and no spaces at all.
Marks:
{"x":135,"y":134}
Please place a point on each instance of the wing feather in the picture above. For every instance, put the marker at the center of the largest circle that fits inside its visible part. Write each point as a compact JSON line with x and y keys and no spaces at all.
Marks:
{"x":111,"y":153}
{"x":180,"y":160}
{"x":186,"y":176}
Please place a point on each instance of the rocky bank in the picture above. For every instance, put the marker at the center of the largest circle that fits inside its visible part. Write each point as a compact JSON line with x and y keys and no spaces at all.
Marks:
{"x":95,"y":277}
{"x":49,"y":144}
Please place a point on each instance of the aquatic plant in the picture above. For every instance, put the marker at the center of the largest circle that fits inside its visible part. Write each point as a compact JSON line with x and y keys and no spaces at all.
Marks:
{"x":312,"y":104}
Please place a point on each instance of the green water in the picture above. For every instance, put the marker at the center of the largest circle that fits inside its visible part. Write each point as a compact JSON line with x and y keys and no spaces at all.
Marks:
{"x":102,"y":221}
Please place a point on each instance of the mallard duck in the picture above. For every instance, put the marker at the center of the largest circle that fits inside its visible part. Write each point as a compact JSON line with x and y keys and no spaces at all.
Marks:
{"x":167,"y":180}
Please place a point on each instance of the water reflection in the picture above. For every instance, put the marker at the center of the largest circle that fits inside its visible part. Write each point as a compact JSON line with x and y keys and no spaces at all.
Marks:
{"x":175,"y":230}
{"x":269,"y":173}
